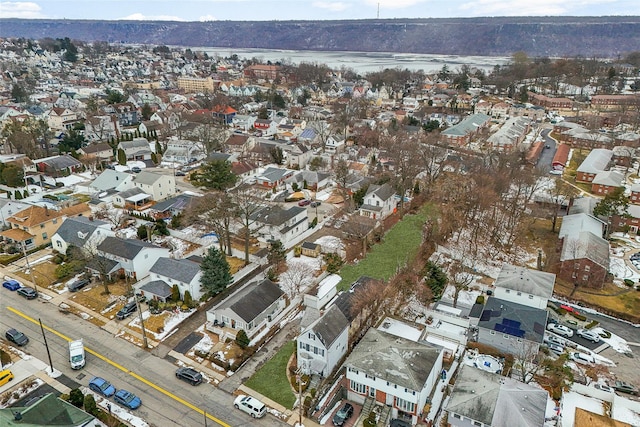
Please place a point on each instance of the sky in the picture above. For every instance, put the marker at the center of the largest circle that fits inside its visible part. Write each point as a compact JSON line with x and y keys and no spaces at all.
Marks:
{"x":267,"y":10}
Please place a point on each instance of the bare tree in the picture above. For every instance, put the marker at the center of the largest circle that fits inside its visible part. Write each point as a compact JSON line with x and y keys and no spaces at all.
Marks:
{"x":525,"y":361}
{"x":247,"y":206}
{"x":368,"y":303}
{"x":111,"y":215}
{"x":359,"y":227}
{"x":216,"y":211}
{"x":460,"y":277}
{"x":298,"y":276}
{"x":212,"y":136}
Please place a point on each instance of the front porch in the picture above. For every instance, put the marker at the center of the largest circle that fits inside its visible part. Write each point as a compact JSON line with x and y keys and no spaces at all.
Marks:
{"x":138,"y":202}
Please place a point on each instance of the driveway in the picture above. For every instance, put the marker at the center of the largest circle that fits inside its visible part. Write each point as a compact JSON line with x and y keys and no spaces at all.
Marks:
{"x":546,"y":157}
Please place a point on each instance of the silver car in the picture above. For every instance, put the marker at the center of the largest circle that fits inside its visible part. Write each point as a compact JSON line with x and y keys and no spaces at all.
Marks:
{"x":560,"y":329}
{"x":588,"y":335}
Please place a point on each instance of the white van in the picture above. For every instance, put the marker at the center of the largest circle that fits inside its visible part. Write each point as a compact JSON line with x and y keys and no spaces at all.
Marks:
{"x":250,"y":405}
{"x":76,"y":354}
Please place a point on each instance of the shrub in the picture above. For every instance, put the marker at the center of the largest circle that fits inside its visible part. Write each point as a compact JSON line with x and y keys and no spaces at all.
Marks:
{"x":65,"y":270}
{"x":561,"y":311}
{"x":90,"y":404}
{"x":175,"y":293}
{"x":242,"y":339}
{"x":605,"y":334}
{"x":579,"y":316}
{"x":76,"y":398}
{"x":628,"y":282}
{"x":314,"y":222}
{"x":297,"y":251}
{"x":272,"y":274}
{"x":188,"y":299}
{"x":480,"y":299}
{"x":591,"y":324}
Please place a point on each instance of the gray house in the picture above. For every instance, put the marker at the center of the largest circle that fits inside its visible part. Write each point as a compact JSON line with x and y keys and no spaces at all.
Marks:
{"x":81,"y":232}
{"x":481,"y":398}
{"x":322,"y":344}
{"x":251,"y":308}
{"x":182,"y":272}
{"x":133,"y":257}
{"x":138,"y":149}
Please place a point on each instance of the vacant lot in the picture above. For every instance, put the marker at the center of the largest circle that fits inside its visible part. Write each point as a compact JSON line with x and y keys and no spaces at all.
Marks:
{"x":399,"y":246}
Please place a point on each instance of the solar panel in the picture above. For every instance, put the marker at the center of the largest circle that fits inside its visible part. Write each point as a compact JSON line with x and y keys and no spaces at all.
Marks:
{"x":485,"y":316}
{"x":511,"y":323}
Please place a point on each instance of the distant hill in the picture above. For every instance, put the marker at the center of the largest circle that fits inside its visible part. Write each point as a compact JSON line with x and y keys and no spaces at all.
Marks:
{"x":605,"y":37}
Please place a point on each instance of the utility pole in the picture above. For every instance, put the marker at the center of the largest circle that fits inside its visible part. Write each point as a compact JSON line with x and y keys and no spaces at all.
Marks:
{"x":46,"y":345}
{"x":299,"y":380}
{"x":26,"y":257}
{"x":144,"y":333}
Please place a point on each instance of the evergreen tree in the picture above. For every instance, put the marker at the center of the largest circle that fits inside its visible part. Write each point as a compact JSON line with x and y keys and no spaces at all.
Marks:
{"x":175,"y":293}
{"x":215,"y":175}
{"x":216,"y":274}
{"x":122,"y":157}
{"x":242,"y":339}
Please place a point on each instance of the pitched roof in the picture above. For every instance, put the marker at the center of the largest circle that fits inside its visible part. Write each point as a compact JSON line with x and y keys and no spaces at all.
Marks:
{"x":181,"y":201}
{"x":597,"y":161}
{"x":147,"y":178}
{"x":522,"y":279}
{"x":522,"y":321}
{"x":252,"y":300}
{"x":157,"y":287}
{"x":495,"y":400}
{"x":609,"y":178}
{"x":109,"y":179}
{"x":76,"y":230}
{"x":329,"y":326}
{"x":275,"y":215}
{"x":35,"y":215}
{"x":48,"y":411}
{"x":384,"y":191}
{"x":181,"y":270}
{"x":60,"y":162}
{"x":395,"y":359}
{"x":125,"y":248}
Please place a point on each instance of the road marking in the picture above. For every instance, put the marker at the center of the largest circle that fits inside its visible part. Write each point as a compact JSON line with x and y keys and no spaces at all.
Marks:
{"x":125,"y":370}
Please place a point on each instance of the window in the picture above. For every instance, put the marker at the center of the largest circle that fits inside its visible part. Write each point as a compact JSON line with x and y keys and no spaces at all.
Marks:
{"x":508,"y":291}
{"x":41,"y":225}
{"x":405,"y":405}
{"x":358,"y":388}
{"x":585,"y":277}
{"x":456,"y":416}
{"x":477,"y":423}
{"x":587,"y":268}
{"x":311,"y":336}
{"x":301,"y":345}
{"x":44,"y":236}
{"x":372,"y":392}
{"x":58,"y":243}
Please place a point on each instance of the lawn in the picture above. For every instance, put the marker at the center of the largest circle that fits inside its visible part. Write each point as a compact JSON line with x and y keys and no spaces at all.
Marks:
{"x":271,"y":379}
{"x":44,"y":274}
{"x":399,"y":247}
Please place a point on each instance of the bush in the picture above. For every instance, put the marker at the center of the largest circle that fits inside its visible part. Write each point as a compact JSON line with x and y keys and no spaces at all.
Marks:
{"x":68,"y":269}
{"x":591,"y":324}
{"x":628,"y":282}
{"x":480,"y":299}
{"x":175,"y":293}
{"x":188,"y":299}
{"x":242,"y":339}
{"x":605,"y":334}
{"x":90,"y":404}
{"x":561,"y":311}
{"x":76,"y":398}
{"x":579,"y":316}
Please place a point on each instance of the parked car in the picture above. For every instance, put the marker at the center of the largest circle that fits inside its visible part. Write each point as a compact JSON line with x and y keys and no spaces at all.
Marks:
{"x":17,"y":337}
{"x":250,"y":405}
{"x":127,"y":310}
{"x":28,"y":293}
{"x":78,"y":284}
{"x":588,"y":335}
{"x":635,"y":257}
{"x":180,"y":173}
{"x":136,"y":169}
{"x":582,"y":358}
{"x":189,"y":375}
{"x":624,"y":387}
{"x":5,"y":376}
{"x":557,"y":349}
{"x":128,"y":399}
{"x":102,"y":386}
{"x":560,"y":329}
{"x":553,"y":339}
{"x":11,"y":284}
{"x":315,"y":204}
{"x":343,"y":414}
{"x":304,"y":202}
{"x":603,"y":387}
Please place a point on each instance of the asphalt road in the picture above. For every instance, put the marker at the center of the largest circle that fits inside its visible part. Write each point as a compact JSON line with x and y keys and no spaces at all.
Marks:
{"x":544,"y":162}
{"x":166,"y":401}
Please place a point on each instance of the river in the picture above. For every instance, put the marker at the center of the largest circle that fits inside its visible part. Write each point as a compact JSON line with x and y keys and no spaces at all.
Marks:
{"x":364,"y":62}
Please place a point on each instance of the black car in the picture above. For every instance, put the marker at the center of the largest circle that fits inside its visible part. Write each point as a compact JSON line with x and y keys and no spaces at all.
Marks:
{"x":189,"y":375}
{"x":343,"y":414}
{"x":136,"y":169}
{"x":28,"y":293}
{"x":17,"y":337}
{"x":180,"y":173}
{"x":78,"y":284}
{"x":127,"y":310}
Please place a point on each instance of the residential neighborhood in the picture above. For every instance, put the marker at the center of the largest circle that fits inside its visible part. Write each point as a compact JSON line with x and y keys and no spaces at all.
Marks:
{"x":244,"y":243}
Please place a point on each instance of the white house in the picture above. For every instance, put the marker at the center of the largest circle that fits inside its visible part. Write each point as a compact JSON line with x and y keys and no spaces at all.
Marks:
{"x":182,"y":272}
{"x":110,"y":179}
{"x":323,"y":343}
{"x":182,"y":151}
{"x":274,"y":223}
{"x":379,"y":202}
{"x":138,"y":149}
{"x":8,"y":208}
{"x":524,"y":286}
{"x":251,"y":308}
{"x":399,"y":374}
{"x":133,"y":257}
{"x":81,"y":232}
{"x":158,"y":186}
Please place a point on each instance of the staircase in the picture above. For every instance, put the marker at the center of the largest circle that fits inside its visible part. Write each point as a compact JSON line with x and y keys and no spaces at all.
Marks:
{"x":369,"y":403}
{"x":384,"y":416}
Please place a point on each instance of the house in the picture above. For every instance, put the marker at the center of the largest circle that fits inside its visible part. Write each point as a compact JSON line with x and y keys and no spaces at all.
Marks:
{"x":182,"y":151}
{"x":251,"y":308}
{"x":334,"y":146}
{"x":156,"y":185}
{"x":524,"y":286}
{"x":379,"y":202}
{"x":481,"y":398}
{"x":395,"y":372}
{"x":312,"y":180}
{"x":596,"y":162}
{"x":511,"y":134}
{"x":267,"y":127}
{"x":323,"y":344}
{"x":101,"y":151}
{"x":138,"y":149}
{"x":8,"y":208}
{"x":61,"y":118}
{"x":45,"y":412}
{"x":35,"y":225}
{"x":57,"y":166}
{"x":182,"y":272}
{"x":510,"y":327}
{"x":606,"y":182}
{"x":345,"y":302}
{"x":561,"y":158}
{"x":129,"y":256}
{"x":81,"y":232}
{"x":244,"y":122}
{"x":171,"y":207}
{"x":463,"y":132}
{"x":584,"y":254}
{"x":272,"y":177}
{"x":133,"y":199}
{"x":275,"y":223}
{"x":111,"y":181}
{"x":224,"y":113}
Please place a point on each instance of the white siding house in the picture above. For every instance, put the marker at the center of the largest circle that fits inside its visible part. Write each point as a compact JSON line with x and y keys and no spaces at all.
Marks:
{"x":379,"y":202}
{"x":158,"y":186}
{"x":524,"y":286}
{"x":323,"y":343}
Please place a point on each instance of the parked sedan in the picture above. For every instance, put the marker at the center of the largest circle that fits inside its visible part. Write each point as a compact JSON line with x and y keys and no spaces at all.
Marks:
{"x":17,"y":337}
{"x":624,"y":387}
{"x":102,"y":386}
{"x":189,"y":375}
{"x":128,"y":399}
{"x":582,"y":358}
{"x":28,"y":293}
{"x":588,"y":335}
{"x":11,"y":284}
{"x":560,"y":329}
{"x":557,"y":349}
{"x":304,"y":202}
{"x":343,"y":414}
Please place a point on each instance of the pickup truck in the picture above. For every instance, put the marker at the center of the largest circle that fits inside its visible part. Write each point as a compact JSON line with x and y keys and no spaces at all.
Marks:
{"x":76,"y":354}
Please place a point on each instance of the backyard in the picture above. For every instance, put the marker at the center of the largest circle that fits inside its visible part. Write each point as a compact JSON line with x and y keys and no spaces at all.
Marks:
{"x":271,"y":379}
{"x":398,"y":247}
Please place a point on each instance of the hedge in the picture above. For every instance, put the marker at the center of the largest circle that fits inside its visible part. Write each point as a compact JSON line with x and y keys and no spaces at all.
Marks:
{"x":579,"y":316}
{"x":592,"y":324}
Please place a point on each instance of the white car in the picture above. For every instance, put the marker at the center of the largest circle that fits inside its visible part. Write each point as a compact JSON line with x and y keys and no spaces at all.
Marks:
{"x":557,"y":349}
{"x":582,"y":358}
{"x":588,"y":335}
{"x":553,"y":339}
{"x":250,"y":405}
{"x":560,"y":329}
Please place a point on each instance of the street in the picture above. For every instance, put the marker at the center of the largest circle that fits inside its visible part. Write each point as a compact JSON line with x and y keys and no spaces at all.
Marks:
{"x":165,"y":400}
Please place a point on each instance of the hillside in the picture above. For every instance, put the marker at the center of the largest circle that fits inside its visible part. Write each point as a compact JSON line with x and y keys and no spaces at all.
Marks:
{"x":538,"y":36}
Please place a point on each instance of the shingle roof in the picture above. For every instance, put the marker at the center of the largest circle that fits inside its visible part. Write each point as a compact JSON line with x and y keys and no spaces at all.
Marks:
{"x":109,"y":179}
{"x":597,"y":161}
{"x":468,"y":125}
{"x":275,"y":215}
{"x":76,"y":230}
{"x":60,"y":162}
{"x":330,"y":325}
{"x":126,"y":248}
{"x":157,"y":287}
{"x":146,"y":177}
{"x":181,"y":270}
{"x":395,"y":359}
{"x":48,"y":411}
{"x":522,"y":279}
{"x":253,"y":299}
{"x":531,"y":320}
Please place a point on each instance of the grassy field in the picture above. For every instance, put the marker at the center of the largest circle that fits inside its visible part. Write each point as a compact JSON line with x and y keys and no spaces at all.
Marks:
{"x":271,"y":379}
{"x":609,"y":298}
{"x":399,"y":247}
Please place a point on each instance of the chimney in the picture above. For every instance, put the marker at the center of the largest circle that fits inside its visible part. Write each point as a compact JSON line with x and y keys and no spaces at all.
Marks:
{"x":46,"y":210}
